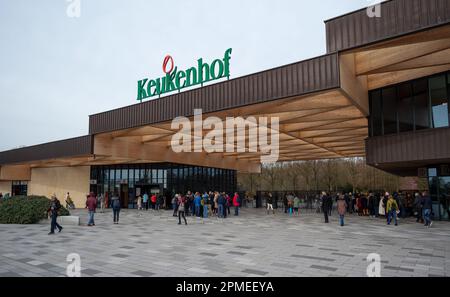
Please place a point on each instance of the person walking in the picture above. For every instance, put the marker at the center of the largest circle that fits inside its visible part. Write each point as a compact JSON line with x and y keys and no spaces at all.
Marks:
{"x":296,"y":205}
{"x":236,"y":203}
{"x":427,"y":206}
{"x":341,"y":208}
{"x":145,"y":199}
{"x":91,"y":205}
{"x":53,"y":209}
{"x":391,"y":209}
{"x":325,"y":205}
{"x":115,"y":203}
{"x":181,"y":209}
{"x":69,"y":202}
{"x":269,"y":202}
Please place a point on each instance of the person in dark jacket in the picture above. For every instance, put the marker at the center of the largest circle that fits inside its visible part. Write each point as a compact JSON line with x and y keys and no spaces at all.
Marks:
{"x":115,"y":204}
{"x":427,"y":206}
{"x":418,"y":208}
{"x":53,"y":209}
{"x":221,"y":203}
{"x":91,"y":205}
{"x":326,"y":202}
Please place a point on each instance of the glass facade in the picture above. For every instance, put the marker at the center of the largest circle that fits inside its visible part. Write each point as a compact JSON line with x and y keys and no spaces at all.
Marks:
{"x":414,"y":105}
{"x":130,"y":180}
{"x":439,"y":184}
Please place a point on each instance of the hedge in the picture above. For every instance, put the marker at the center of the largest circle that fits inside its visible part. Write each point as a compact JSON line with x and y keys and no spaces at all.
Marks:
{"x":26,"y":209}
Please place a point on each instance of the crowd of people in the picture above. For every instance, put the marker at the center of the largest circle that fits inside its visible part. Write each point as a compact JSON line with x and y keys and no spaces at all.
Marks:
{"x":218,"y":204}
{"x":391,"y":207}
{"x":204,"y":205}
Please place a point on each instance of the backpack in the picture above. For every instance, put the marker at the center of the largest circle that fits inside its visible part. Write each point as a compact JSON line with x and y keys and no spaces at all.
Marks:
{"x":116,"y":203}
{"x":57,"y":205}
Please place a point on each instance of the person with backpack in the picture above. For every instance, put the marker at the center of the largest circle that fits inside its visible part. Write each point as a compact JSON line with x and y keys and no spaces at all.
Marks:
{"x":115,"y":204}
{"x":236,"y":203}
{"x":53,"y":209}
{"x":181,"y":209}
{"x":391,"y":209}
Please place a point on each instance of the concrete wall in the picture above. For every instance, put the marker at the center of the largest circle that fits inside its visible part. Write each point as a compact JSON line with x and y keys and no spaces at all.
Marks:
{"x":5,"y":187}
{"x":60,"y":180}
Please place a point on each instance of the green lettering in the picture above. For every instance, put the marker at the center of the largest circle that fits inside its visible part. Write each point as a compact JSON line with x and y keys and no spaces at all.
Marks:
{"x":226,"y":61}
{"x":203,"y":68}
{"x":213,"y":69}
{"x":141,"y":91}
{"x":150,"y":85}
{"x":180,"y":75}
{"x":191,"y":77}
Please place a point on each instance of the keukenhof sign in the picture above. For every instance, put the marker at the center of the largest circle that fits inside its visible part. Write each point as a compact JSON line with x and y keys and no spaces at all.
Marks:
{"x":178,"y":79}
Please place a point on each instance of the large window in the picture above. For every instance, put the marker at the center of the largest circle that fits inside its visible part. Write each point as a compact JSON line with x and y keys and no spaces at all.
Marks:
{"x":171,"y":178}
{"x":410,"y":106}
{"x":439,"y":101}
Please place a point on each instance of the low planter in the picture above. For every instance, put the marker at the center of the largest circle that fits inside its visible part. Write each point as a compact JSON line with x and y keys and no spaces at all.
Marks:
{"x":26,"y":210}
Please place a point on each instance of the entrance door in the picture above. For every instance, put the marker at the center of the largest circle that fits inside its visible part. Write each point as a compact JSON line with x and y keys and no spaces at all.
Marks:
{"x":124,"y":195}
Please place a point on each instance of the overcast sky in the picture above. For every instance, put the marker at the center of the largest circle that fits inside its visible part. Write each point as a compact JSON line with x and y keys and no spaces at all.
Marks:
{"x":55,"y":70}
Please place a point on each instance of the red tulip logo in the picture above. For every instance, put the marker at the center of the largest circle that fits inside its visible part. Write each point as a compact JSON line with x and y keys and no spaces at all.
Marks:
{"x":168,"y":59}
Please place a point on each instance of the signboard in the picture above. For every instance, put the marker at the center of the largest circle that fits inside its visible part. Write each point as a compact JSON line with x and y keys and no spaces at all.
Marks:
{"x":175,"y":79}
{"x":93,"y":181}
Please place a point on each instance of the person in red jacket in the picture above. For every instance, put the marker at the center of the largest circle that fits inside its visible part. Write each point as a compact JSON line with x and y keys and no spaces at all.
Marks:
{"x":153,"y":200}
{"x":91,"y":205}
{"x":236,"y":203}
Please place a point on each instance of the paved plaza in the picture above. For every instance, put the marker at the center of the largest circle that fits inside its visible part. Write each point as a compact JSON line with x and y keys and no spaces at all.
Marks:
{"x":253,"y":244}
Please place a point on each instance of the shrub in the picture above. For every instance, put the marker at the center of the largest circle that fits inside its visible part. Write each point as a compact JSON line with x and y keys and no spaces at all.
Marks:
{"x":26,"y":210}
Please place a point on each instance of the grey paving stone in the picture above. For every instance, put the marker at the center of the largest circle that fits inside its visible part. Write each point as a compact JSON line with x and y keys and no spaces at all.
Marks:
{"x":275,"y":245}
{"x":252,"y":271}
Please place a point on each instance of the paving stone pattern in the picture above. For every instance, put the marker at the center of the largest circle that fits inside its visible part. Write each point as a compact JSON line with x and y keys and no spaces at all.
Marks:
{"x":150,"y":243}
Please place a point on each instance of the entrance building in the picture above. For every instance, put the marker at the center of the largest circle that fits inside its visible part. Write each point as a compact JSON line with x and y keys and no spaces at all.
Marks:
{"x":381,"y":92}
